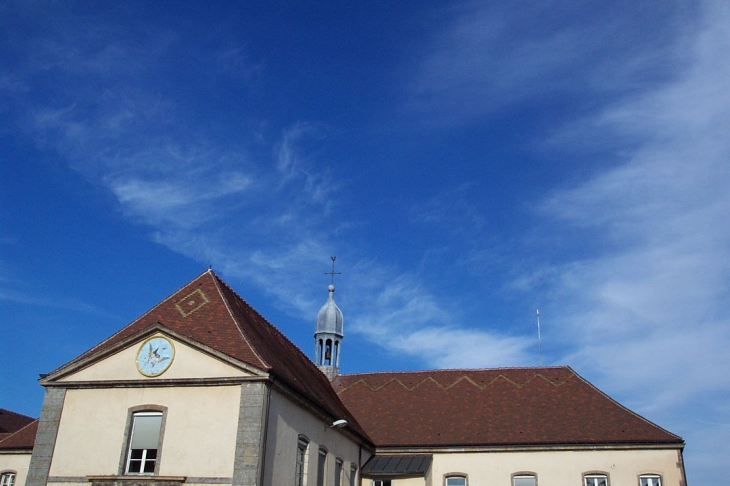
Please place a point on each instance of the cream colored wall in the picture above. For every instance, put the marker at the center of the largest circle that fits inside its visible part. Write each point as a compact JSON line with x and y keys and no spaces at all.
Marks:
{"x":287,"y":421}
{"x":17,"y":462}
{"x":557,"y":468}
{"x":187,"y":363}
{"x":402,"y":482}
{"x":199,"y":436}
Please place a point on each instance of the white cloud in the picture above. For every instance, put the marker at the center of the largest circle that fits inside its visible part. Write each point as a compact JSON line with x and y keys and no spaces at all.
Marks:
{"x":489,"y":57}
{"x":464,"y":348}
{"x":58,"y":303}
{"x":646,"y":315}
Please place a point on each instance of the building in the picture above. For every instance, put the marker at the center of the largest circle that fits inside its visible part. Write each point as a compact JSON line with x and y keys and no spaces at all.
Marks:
{"x":17,"y":434}
{"x":203,"y":390}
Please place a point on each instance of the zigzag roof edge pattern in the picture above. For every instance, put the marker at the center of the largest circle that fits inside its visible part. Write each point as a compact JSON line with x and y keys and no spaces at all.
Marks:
{"x":463,"y":378}
{"x":492,"y":407}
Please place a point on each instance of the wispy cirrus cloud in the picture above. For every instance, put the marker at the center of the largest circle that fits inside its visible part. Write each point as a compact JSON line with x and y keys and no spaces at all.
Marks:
{"x":489,"y":57}
{"x":646,"y":314}
{"x":58,"y":303}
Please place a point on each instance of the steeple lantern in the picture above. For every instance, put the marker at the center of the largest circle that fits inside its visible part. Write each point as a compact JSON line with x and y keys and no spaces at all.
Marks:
{"x":328,"y":333}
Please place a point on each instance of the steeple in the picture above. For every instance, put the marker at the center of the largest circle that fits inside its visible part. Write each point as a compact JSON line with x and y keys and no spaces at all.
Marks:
{"x":328,"y":333}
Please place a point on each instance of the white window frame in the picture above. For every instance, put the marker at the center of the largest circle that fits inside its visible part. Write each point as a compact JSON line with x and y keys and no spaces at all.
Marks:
{"x":450,"y":476}
{"x":524,"y":475}
{"x":650,"y":480}
{"x":300,"y":473}
{"x":594,"y":476}
{"x":7,"y":478}
{"x":144,"y":459}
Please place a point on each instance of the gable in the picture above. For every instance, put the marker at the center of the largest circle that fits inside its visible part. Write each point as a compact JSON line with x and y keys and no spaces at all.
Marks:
{"x":197,"y":311}
{"x":187,"y":362}
{"x":209,"y":316}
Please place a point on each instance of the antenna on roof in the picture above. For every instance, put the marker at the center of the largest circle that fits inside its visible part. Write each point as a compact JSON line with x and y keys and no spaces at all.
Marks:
{"x":539,"y":340}
{"x":333,"y":273}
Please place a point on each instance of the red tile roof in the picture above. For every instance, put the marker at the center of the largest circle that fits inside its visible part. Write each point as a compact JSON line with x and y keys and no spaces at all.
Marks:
{"x":23,"y":438}
{"x":491,"y":407}
{"x":208,"y":311}
{"x":12,"y":422}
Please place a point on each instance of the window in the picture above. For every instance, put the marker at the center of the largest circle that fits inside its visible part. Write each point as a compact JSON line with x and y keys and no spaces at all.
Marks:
{"x":7,"y":479}
{"x":145,"y":439}
{"x":301,"y":470}
{"x":456,"y":481}
{"x":381,"y":482}
{"x":321,"y":460}
{"x":338,"y":472}
{"x":595,"y":480}
{"x":524,"y":480}
{"x":353,"y":474}
{"x":650,"y":480}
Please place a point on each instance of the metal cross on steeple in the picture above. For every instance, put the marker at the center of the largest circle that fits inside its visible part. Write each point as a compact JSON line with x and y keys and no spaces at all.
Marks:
{"x":333,"y":273}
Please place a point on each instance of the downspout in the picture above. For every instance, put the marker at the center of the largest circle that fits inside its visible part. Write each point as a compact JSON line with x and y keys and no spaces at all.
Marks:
{"x":359,"y":462}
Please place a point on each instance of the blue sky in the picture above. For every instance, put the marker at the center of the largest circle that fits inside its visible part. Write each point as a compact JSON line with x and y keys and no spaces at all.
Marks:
{"x":467,"y":162}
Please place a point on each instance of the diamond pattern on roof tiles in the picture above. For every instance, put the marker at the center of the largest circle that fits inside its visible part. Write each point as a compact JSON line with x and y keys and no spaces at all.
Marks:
{"x":189,"y":304}
{"x":209,"y":312}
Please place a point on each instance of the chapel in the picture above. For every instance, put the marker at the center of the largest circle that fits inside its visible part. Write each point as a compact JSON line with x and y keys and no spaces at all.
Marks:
{"x":203,"y":390}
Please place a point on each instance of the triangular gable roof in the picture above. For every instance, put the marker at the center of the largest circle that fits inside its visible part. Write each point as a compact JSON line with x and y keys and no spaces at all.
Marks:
{"x":23,"y":438}
{"x":492,"y":407}
{"x":209,"y":312}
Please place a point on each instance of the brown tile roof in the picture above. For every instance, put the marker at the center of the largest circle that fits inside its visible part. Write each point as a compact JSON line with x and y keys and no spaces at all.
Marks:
{"x":208,"y":311}
{"x":23,"y":438}
{"x":12,"y":421}
{"x":491,"y":407}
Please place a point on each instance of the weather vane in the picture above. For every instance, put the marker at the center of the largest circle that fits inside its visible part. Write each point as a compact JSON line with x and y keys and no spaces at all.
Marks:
{"x":332,"y":273}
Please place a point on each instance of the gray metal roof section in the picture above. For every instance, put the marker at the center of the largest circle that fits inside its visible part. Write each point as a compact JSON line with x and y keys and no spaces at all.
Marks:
{"x":398,"y":465}
{"x":329,"y":318}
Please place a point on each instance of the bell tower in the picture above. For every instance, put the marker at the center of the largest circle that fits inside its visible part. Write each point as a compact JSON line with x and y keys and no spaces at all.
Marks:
{"x":328,"y":332}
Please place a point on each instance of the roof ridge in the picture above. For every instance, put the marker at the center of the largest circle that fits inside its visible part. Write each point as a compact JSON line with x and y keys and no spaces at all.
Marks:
{"x":11,"y":435}
{"x":217,"y":281}
{"x":253,"y":309}
{"x":19,"y":430}
{"x":103,"y":343}
{"x":624,"y":407}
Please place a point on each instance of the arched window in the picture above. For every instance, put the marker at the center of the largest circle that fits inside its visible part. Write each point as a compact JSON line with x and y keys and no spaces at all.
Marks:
{"x":144,"y":442}
{"x":338,"y":471}
{"x":595,"y":479}
{"x":7,"y":478}
{"x":524,"y":479}
{"x":353,"y":475}
{"x":321,"y":464}
{"x":650,"y":480}
{"x":302,"y":460}
{"x":455,"y":480}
